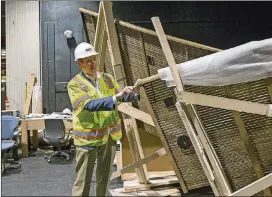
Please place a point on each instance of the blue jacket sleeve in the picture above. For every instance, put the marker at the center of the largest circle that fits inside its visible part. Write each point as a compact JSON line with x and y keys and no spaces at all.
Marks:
{"x":103,"y":104}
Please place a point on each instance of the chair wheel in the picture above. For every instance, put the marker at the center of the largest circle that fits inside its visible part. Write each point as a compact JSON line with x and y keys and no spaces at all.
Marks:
{"x":45,"y":156}
{"x":49,"y":160}
{"x":67,"y":159}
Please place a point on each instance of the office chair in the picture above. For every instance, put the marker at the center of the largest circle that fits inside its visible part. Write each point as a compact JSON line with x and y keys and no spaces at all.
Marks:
{"x":9,"y":140}
{"x":54,"y":134}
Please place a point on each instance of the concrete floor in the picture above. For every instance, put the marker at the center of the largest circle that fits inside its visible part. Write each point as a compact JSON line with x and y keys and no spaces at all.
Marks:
{"x":39,"y":178}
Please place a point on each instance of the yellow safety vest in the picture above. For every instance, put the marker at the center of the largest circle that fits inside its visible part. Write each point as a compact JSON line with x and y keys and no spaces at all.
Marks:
{"x":93,"y":128}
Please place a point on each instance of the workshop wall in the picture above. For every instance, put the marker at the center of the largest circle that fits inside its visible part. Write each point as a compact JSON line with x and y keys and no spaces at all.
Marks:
{"x":22,"y":49}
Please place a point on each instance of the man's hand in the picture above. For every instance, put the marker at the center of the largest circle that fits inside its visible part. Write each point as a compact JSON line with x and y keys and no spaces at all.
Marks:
{"x":136,"y":90}
{"x":127,"y":90}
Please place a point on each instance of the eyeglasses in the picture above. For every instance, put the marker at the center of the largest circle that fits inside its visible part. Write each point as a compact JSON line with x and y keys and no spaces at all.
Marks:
{"x":89,"y":59}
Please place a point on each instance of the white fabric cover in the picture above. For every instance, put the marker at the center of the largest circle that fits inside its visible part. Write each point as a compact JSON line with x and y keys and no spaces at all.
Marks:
{"x":248,"y":62}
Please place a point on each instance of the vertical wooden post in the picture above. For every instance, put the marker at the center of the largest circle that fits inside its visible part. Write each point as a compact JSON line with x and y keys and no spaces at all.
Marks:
{"x":130,"y":123}
{"x":30,"y":86}
{"x":24,"y":138}
{"x":100,"y":40}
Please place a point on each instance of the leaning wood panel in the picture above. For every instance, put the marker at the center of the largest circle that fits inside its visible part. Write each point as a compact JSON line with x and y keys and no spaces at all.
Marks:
{"x":219,"y":124}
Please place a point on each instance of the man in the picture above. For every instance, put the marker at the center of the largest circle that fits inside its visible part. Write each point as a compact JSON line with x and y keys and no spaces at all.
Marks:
{"x":96,"y":124}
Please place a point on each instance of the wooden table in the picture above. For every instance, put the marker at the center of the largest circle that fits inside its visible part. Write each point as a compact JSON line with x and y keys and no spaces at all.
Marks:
{"x":36,"y":124}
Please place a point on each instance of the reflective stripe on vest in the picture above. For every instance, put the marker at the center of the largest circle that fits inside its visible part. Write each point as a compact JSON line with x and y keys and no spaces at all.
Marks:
{"x":98,"y":133}
{"x":82,"y":85}
{"x":108,"y":81}
{"x":115,"y":129}
{"x":91,"y":134}
{"x":80,"y":99}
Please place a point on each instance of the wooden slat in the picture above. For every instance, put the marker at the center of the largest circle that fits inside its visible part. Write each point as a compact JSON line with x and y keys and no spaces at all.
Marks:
{"x":255,"y":187}
{"x":160,"y":191}
{"x":114,"y":49}
{"x":226,"y":103}
{"x":132,"y":176}
{"x":117,"y":64}
{"x":136,"y":113}
{"x":167,"y":52}
{"x":132,"y":186}
{"x":100,"y":41}
{"x":138,"y":163}
{"x":140,"y":171}
{"x":30,"y":86}
{"x":99,"y":26}
{"x":141,"y":82}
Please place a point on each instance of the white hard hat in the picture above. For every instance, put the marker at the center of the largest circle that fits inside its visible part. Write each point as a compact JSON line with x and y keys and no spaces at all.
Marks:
{"x":84,"y":50}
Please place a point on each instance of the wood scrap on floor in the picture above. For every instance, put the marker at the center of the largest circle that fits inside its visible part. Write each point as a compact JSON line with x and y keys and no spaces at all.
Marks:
{"x":160,"y":184}
{"x":132,"y":176}
{"x":163,"y":191}
{"x":134,"y":185}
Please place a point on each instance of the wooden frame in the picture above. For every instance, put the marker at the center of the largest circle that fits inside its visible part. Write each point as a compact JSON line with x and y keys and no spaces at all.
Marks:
{"x":218,"y":102}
